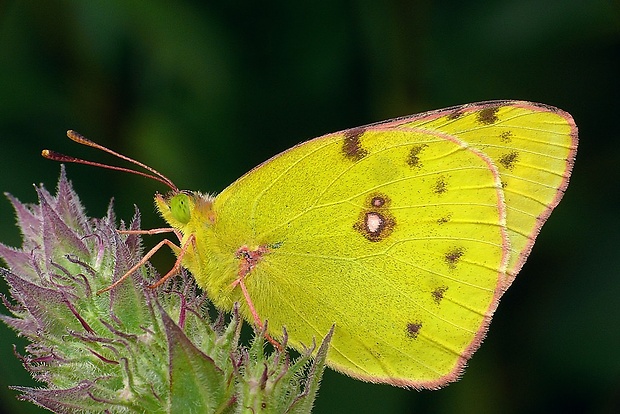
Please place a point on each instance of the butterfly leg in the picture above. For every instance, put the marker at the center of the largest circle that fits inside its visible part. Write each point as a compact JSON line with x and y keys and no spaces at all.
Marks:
{"x":257,"y":320}
{"x":146,"y":258}
{"x":177,"y":265}
{"x":249,"y":259}
{"x":153,"y":231}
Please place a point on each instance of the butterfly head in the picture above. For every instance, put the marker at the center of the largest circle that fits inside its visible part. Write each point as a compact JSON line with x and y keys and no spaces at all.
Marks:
{"x":185,"y":209}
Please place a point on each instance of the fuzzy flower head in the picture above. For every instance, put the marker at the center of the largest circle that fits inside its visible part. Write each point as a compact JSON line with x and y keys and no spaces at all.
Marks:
{"x":133,"y":349}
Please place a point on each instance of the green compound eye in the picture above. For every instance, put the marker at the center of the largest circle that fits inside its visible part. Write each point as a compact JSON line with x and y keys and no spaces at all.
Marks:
{"x":179,"y":207}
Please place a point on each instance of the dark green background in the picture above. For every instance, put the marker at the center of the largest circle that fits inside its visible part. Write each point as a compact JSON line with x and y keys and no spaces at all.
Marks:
{"x":204,"y":92}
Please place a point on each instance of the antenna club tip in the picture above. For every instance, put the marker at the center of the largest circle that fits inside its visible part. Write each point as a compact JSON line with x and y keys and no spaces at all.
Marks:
{"x":45,"y":153}
{"x":77,"y":137}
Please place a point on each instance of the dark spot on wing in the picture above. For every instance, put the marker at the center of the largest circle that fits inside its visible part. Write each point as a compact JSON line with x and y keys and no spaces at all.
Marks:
{"x":453,"y":257}
{"x":375,"y":221}
{"x":413,"y":158}
{"x":509,"y":160}
{"x":413,"y":329}
{"x":488,"y":116}
{"x":352,"y":145}
{"x":440,"y":186}
{"x":506,"y":136}
{"x":457,"y":113}
{"x":438,"y":293}
{"x":378,"y":201}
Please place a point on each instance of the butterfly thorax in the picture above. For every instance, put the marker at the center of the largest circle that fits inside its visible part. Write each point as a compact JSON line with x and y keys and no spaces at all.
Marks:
{"x":193,"y":215}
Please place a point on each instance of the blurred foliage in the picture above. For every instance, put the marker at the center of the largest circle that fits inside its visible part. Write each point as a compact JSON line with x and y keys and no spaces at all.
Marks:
{"x":204,"y":92}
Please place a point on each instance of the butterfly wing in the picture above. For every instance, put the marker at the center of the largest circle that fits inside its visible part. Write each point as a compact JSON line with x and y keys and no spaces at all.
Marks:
{"x":533,"y":147}
{"x":396,"y":233}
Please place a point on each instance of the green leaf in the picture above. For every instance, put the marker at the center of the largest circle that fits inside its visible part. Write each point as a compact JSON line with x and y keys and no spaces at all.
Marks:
{"x":197,"y":385}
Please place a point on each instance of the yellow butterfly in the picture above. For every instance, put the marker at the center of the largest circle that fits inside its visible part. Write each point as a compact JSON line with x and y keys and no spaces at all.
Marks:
{"x":404,"y":234}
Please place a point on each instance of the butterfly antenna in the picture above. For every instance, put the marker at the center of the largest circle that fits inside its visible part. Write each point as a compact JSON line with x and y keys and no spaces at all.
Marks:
{"x":74,"y":136}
